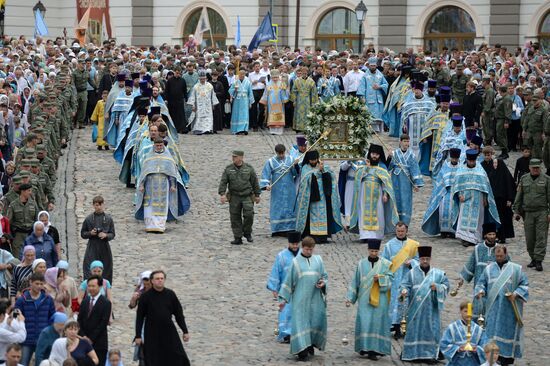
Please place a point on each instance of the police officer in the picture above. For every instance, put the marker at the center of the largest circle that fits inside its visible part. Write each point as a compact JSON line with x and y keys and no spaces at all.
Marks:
{"x":80,"y":80}
{"x":458,"y":83}
{"x":488,"y":111}
{"x":22,"y":214}
{"x":239,"y":185}
{"x":503,"y":115}
{"x":532,"y":122}
{"x":533,"y":204}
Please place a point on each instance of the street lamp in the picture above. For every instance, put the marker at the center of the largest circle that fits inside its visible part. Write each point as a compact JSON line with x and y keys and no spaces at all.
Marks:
{"x":40,"y":7}
{"x":360,"y":13}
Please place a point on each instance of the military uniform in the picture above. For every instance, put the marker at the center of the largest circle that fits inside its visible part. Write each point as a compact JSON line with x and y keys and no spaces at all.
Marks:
{"x":488,"y":116}
{"x":242,"y":184}
{"x":503,"y":115}
{"x":532,"y":122}
{"x":442,"y":77}
{"x":533,"y":203}
{"x":546,"y":147}
{"x":80,"y":79}
{"x":458,"y":87}
{"x":21,"y":217}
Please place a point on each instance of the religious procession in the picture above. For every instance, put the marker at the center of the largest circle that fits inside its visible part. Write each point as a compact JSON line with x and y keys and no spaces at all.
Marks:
{"x":412,"y":185}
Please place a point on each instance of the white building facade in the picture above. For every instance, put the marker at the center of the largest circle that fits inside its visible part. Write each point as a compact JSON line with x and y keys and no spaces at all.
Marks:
{"x":329,"y":24}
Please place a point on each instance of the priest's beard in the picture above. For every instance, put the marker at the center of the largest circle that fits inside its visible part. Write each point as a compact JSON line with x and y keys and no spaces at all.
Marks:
{"x":374,"y":161}
{"x":313,"y":165}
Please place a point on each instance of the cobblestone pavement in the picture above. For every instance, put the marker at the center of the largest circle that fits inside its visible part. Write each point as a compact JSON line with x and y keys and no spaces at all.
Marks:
{"x":230,"y":314}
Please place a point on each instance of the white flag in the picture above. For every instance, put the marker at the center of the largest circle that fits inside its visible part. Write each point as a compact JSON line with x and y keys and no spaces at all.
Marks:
{"x":202,"y":26}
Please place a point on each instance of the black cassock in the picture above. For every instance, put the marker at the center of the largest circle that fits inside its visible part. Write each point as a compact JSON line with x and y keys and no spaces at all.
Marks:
{"x":98,"y":249}
{"x":162,"y":343}
{"x":176,"y":95}
{"x":504,"y":189}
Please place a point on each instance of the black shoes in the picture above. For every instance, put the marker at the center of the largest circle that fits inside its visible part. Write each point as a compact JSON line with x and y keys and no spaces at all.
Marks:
{"x":532,"y":264}
{"x":237,"y":241}
{"x":538,"y":266}
{"x":249,"y":238}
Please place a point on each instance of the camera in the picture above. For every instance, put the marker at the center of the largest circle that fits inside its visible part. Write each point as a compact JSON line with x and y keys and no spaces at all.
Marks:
{"x":16,"y":313}
{"x":98,"y":230}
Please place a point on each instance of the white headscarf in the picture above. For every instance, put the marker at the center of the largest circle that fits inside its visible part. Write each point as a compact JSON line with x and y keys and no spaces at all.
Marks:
{"x":46,"y":226}
{"x":59,"y":352}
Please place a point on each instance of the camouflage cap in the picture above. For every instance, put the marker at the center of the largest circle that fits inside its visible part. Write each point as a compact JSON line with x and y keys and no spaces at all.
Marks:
{"x":24,"y":174}
{"x":17,"y":179}
{"x":40,"y":148}
{"x":25,"y":162}
{"x":34,"y":163}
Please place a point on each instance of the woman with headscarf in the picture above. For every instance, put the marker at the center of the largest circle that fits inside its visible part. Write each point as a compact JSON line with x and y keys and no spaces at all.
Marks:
{"x":114,"y":358}
{"x":43,"y":244}
{"x":58,"y":354}
{"x":54,"y":278}
{"x":6,"y":177}
{"x":22,"y":272}
{"x":44,"y":217}
{"x":96,"y":269}
{"x":6,"y":265}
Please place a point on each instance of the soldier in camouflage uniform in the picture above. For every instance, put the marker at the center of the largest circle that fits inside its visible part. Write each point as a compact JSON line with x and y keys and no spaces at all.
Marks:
{"x":503,"y":115}
{"x":532,"y":122}
{"x":488,"y":112}
{"x":22,"y":214}
{"x":458,"y":84}
{"x":80,"y":80}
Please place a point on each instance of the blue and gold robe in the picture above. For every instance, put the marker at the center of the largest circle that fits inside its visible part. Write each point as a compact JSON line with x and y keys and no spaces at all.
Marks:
{"x":397,"y":93}
{"x":501,"y":324}
{"x":118,"y":114}
{"x":455,"y":336}
{"x":282,"y":216}
{"x":370,"y":217}
{"x":470,"y":215}
{"x":320,"y":224}
{"x":157,"y":170}
{"x":274,"y":282}
{"x":398,"y":252}
{"x":424,"y":313}
{"x":309,"y":307}
{"x":404,"y":169}
{"x":439,"y":214}
{"x":430,"y":140}
{"x":372,"y":324}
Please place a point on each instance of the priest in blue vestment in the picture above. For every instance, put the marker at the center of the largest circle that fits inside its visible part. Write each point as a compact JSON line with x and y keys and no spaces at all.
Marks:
{"x":161,"y":194}
{"x":438,"y":218}
{"x":402,"y":251}
{"x":305,"y":287}
{"x":372,"y":89}
{"x":432,"y":134}
{"x":426,"y":288}
{"x":406,"y":178}
{"x":503,"y":284}
{"x":282,"y":215}
{"x":483,"y":254}
{"x":118,"y":113}
{"x":296,"y":151}
{"x":452,"y":138}
{"x":242,"y":99}
{"x":369,"y":288}
{"x":414,"y":113}
{"x":397,"y":93}
{"x":283,"y":261}
{"x":318,"y":202}
{"x":473,"y":201}
{"x":455,"y":338}
{"x":373,"y":212}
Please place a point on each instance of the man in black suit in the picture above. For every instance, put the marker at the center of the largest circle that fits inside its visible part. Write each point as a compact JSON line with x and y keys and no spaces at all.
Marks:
{"x":93,"y":318}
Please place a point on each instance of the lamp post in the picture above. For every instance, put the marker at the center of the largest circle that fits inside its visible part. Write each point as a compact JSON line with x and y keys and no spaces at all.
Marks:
{"x":360,"y":13}
{"x":40,"y":7}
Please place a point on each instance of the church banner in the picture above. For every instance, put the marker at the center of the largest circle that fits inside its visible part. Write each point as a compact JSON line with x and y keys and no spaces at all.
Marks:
{"x":98,"y":26}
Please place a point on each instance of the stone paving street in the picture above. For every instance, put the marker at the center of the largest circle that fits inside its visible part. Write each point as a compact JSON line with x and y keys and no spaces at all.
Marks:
{"x":230,"y":314}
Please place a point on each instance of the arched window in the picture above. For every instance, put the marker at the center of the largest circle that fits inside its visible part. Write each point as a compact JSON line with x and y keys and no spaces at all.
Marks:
{"x":544,"y":32}
{"x":217,"y":27}
{"x":450,"y":26}
{"x":338,"y":30}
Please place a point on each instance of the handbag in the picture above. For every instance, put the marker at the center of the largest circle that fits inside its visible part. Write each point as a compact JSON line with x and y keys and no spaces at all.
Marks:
{"x":94,"y":133}
{"x":227,"y":107}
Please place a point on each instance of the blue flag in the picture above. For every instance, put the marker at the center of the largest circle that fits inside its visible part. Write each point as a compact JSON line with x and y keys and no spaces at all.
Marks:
{"x":238,"y":34}
{"x":40,"y":28}
{"x":264,"y":33}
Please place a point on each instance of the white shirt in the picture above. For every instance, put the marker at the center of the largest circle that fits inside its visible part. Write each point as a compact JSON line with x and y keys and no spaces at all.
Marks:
{"x":351,"y":80}
{"x":14,"y":333}
{"x":256,"y":76}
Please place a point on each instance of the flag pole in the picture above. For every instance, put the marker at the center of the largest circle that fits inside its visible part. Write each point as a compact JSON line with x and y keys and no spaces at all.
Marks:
{"x":211,"y":37}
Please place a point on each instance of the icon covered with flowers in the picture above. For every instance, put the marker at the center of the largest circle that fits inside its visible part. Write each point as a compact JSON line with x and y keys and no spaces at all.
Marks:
{"x":348,"y":121}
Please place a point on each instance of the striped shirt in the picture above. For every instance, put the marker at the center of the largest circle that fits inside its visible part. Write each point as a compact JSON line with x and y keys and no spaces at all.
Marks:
{"x":19,"y":279}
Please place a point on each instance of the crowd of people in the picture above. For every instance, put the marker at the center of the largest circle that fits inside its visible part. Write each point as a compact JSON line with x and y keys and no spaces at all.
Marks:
{"x":449,"y":109}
